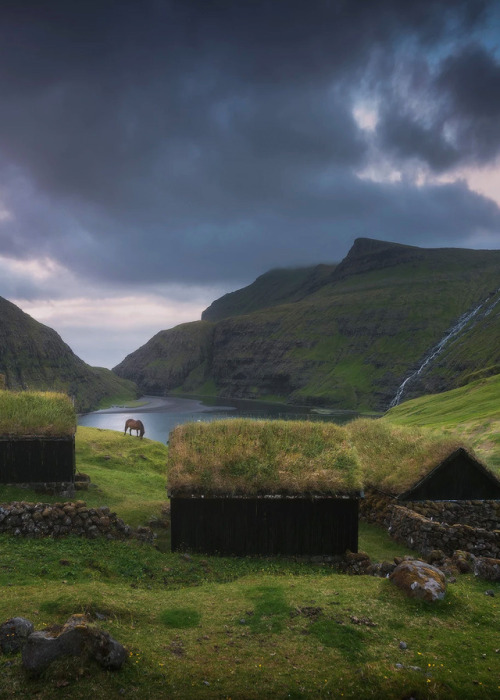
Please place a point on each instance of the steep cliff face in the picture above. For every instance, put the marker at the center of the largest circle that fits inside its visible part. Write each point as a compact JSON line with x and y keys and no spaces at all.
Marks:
{"x":33,"y":356}
{"x":349,"y":342}
{"x":180,"y":357}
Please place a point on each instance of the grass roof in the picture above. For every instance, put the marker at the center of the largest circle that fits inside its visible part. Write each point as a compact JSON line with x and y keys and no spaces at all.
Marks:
{"x":394,"y":458}
{"x":257,"y":457}
{"x":36,"y":413}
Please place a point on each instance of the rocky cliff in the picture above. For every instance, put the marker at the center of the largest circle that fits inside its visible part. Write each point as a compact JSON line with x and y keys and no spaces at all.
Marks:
{"x":344,"y":336}
{"x":33,"y":356}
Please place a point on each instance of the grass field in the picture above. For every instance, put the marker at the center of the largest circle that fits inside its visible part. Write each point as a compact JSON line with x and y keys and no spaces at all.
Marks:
{"x":214,"y":627}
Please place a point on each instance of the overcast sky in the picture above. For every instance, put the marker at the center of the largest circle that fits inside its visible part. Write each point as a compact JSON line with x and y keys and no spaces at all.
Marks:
{"x":156,"y":154}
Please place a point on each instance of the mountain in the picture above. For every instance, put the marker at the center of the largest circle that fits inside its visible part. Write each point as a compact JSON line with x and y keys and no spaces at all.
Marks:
{"x":275,"y":287}
{"x":343,"y":335}
{"x":33,"y":356}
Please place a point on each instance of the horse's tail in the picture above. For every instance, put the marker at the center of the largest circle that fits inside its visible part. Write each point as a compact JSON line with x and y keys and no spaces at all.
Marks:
{"x":126,"y":426}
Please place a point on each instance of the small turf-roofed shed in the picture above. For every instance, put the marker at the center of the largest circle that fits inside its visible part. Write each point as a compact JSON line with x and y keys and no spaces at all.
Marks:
{"x":263,"y":487}
{"x":458,"y":477}
{"x":414,"y":465}
{"x":37,"y":438}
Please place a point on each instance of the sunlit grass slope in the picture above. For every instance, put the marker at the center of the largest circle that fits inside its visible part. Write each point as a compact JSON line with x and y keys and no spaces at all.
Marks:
{"x":471,"y":411}
{"x":127,"y":474}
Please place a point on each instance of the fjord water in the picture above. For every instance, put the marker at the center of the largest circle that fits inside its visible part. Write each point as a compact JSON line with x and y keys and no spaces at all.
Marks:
{"x":160,"y":414}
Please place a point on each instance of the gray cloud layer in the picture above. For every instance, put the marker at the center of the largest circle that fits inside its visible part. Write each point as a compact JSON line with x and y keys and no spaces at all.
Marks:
{"x":206,"y":142}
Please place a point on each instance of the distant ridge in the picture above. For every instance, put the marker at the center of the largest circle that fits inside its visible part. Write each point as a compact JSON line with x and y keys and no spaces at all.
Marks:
{"x":33,"y":356}
{"x":344,"y":335}
{"x":279,"y":286}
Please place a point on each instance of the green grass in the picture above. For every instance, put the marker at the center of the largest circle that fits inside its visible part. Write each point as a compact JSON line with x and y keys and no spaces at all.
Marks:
{"x":127,"y":474}
{"x":28,"y":413}
{"x":471,"y":412}
{"x":250,"y":628}
{"x":246,"y":628}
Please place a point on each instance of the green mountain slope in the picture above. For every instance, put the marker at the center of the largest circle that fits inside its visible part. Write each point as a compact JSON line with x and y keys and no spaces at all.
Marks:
{"x":275,"y":287}
{"x":33,"y":356}
{"x":349,"y":343}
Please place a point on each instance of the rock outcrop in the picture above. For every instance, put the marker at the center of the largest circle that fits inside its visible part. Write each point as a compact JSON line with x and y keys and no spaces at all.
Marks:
{"x":78,"y":637}
{"x":418,"y":579}
{"x":14,"y":634}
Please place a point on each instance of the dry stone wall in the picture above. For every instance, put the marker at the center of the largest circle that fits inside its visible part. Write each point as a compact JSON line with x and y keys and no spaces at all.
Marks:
{"x":424,"y":535}
{"x":69,"y":518}
{"x":471,"y":526}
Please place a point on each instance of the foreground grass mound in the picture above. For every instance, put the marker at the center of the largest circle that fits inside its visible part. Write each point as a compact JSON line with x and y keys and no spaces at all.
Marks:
{"x":211,"y":627}
{"x":29,"y":413}
{"x":252,"y":457}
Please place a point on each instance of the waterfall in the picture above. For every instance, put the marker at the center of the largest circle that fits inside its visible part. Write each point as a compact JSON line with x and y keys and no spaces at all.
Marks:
{"x":480,"y":311}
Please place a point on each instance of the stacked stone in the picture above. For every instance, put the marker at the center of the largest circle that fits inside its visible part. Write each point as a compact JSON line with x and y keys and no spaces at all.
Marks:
{"x":483,"y":514}
{"x":374,"y":508}
{"x":62,"y":519}
{"x":424,"y":535}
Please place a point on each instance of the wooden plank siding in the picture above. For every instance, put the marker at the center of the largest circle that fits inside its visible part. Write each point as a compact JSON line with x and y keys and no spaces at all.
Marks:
{"x":33,"y":460}
{"x":265,"y":526}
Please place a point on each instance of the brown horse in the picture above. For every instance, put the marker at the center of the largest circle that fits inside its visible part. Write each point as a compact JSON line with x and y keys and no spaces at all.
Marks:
{"x":137,"y":425}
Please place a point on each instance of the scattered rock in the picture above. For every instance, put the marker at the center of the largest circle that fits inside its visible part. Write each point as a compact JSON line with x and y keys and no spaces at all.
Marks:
{"x":403,"y":645}
{"x":487,"y":568}
{"x":76,"y":638}
{"x":418,"y":579}
{"x":14,"y":634}
{"x":490,"y":593}
{"x":362,"y":621}
{"x":463,"y":561}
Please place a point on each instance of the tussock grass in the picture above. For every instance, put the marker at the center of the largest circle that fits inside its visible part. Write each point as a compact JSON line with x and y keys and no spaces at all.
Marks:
{"x":249,"y":457}
{"x":29,"y":413}
{"x":393,"y":458}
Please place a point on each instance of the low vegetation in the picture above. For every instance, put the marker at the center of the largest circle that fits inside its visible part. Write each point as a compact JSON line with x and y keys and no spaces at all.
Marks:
{"x":28,"y":413}
{"x":250,"y":457}
{"x":395,"y":457}
{"x":244,"y":628}
{"x":471,"y":411}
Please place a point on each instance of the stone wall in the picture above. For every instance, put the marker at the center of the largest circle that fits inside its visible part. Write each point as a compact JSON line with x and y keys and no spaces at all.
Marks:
{"x":69,"y":518}
{"x":472,"y":526}
{"x":424,"y":535}
{"x":482,"y":514}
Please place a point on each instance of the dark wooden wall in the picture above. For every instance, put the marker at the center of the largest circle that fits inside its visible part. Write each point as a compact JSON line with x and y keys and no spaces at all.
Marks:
{"x":36,"y":460}
{"x":261,"y":526}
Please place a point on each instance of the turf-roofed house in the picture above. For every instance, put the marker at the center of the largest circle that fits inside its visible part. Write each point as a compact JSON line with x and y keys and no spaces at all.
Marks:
{"x":249,"y":487}
{"x":431,"y":492}
{"x":408,"y":464}
{"x":37,"y":440}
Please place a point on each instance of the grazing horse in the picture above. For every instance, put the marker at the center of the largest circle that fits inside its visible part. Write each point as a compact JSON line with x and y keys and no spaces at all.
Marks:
{"x":137,"y":425}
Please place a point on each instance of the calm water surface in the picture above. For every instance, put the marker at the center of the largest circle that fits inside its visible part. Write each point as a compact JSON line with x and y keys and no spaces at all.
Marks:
{"x":161,"y":414}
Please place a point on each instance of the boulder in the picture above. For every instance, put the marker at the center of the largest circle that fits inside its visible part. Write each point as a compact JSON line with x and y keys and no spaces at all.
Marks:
{"x":78,"y":637}
{"x":14,"y":634}
{"x":418,"y":579}
{"x":487,"y":568}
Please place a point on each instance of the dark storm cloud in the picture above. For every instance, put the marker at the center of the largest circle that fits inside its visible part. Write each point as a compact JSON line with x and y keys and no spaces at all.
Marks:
{"x":453,"y":117}
{"x":205,"y":141}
